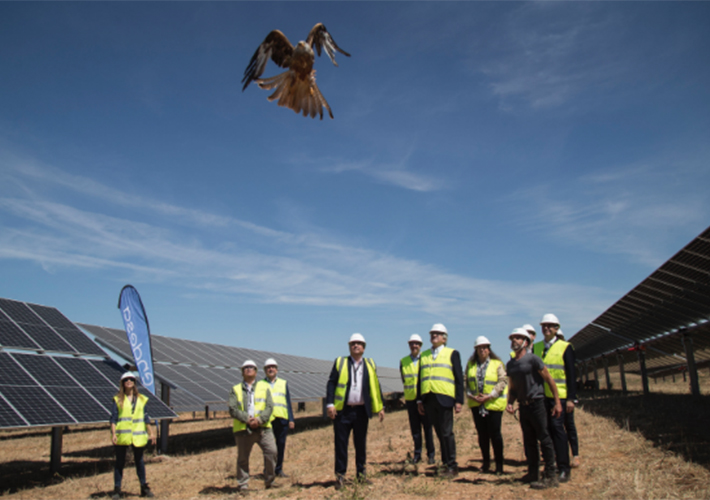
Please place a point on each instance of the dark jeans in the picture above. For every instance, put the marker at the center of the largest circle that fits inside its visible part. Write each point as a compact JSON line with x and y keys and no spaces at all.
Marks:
{"x":533,"y":422}
{"x":280,"y":427}
{"x":443,"y":421}
{"x":488,"y":429}
{"x":416,"y":422}
{"x":350,"y":418}
{"x":121,"y":463}
{"x":556,"y":427}
{"x":571,"y":430}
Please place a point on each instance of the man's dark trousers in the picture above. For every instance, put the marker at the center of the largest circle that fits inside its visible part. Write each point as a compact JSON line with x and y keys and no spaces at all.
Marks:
{"x":533,"y":422}
{"x":442,"y":419}
{"x":350,"y":418}
{"x":280,"y":427}
{"x":556,"y":428}
{"x":416,"y":422}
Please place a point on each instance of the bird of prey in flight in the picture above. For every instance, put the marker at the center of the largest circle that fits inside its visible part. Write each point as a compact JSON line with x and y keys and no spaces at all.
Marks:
{"x":295,"y":88}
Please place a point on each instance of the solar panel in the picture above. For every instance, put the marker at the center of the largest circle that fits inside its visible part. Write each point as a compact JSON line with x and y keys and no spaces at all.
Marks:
{"x":79,"y":403}
{"x":12,"y":335}
{"x":8,"y":415}
{"x":44,"y":370}
{"x":12,"y":372}
{"x":35,"y":405}
{"x":33,"y":326}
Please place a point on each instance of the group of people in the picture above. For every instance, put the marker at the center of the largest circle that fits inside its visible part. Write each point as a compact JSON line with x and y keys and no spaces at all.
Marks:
{"x":539,"y":377}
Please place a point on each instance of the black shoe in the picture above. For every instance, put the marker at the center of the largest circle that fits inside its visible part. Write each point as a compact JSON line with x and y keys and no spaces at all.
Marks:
{"x":416,"y":459}
{"x":281,"y":474}
{"x":545,"y":483}
{"x":450,"y":473}
{"x":565,"y":476}
{"x":499,"y":471}
{"x":145,"y":491}
{"x":339,"y":482}
{"x":431,"y":460}
{"x":529,"y":478}
{"x":486,"y":467}
{"x":116,"y":494}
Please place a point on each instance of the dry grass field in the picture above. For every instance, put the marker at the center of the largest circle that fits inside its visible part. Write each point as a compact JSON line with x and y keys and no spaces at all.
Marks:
{"x":617,"y":462}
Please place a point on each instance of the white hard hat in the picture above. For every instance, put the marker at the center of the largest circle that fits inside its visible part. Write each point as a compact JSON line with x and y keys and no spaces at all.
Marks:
{"x":270,"y":362}
{"x":550,"y":318}
{"x":481,"y":340}
{"x":439,"y":327}
{"x":127,"y":375}
{"x":249,"y":362}
{"x":356,"y":337}
{"x":520,"y":332}
{"x":415,"y":338}
{"x":560,"y":335}
{"x":529,"y":328}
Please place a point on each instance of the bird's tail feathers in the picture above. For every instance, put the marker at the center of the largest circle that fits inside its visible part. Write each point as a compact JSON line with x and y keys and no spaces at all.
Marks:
{"x":302,"y":96}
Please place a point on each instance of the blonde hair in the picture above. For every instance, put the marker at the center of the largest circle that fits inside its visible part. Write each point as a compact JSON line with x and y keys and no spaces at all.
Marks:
{"x":121,"y":394}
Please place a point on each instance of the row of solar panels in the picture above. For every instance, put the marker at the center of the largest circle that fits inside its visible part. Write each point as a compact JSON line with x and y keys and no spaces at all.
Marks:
{"x":206,"y":372}
{"x":674,"y":297}
{"x":62,"y":381}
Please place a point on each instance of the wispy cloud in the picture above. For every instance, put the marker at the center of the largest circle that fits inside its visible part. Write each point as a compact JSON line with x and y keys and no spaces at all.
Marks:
{"x":284,"y":268}
{"x":630,"y":210}
{"x":551,"y":53}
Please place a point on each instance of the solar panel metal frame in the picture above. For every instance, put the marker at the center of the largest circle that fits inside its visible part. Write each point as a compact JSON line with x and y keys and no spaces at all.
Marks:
{"x":673,"y":300}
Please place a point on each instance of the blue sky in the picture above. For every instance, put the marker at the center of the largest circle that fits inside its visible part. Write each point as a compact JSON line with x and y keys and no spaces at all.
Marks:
{"x":488,"y":163}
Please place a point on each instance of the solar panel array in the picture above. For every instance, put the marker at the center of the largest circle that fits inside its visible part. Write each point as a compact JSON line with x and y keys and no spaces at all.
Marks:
{"x":672,"y":300}
{"x":204,"y":373}
{"x":69,"y":386}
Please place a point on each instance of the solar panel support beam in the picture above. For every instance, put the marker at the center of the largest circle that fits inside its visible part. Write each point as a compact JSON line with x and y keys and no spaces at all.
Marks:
{"x":644,"y":373}
{"x":692,"y":369}
{"x":55,"y":460}
{"x":165,"y":423}
{"x":606,"y":373}
{"x":622,"y":373}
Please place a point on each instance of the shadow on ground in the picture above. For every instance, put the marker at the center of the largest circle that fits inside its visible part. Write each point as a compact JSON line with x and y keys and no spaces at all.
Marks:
{"x":673,"y":422}
{"x":24,"y":474}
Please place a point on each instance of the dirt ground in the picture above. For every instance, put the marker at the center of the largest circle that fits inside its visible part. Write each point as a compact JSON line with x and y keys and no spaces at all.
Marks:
{"x":617,"y":462}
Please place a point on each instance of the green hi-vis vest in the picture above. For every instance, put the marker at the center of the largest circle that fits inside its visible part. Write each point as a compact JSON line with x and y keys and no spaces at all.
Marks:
{"x":538,"y":349}
{"x":555,"y":363}
{"x":437,"y":375}
{"x":410,"y":372}
{"x":344,"y":378}
{"x":490,"y":380}
{"x":261,"y":389}
{"x":130,"y":428}
{"x":278,"y":396}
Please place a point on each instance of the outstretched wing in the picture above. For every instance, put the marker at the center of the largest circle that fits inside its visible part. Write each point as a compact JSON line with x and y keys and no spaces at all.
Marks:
{"x":320,"y":38}
{"x":275,"y":47}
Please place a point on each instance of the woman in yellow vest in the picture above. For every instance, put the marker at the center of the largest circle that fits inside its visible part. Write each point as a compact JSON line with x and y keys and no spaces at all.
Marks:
{"x":487,"y":394}
{"x":130,"y":426}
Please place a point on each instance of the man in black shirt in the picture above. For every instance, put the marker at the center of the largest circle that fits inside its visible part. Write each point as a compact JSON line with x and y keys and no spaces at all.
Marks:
{"x":526,"y":377}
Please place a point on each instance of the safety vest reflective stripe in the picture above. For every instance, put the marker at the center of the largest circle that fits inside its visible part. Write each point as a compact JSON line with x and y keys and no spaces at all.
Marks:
{"x":443,"y":379}
{"x":260,"y":389}
{"x":555,"y":364}
{"x":437,"y":377}
{"x":130,"y":428}
{"x":489,"y":382}
{"x":344,"y":377}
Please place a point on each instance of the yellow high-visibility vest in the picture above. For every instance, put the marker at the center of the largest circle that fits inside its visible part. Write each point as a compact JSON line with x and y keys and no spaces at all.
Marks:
{"x":278,"y":396}
{"x":344,"y":378}
{"x":555,"y":363}
{"x":410,"y":373}
{"x":130,"y":428}
{"x":489,"y":382}
{"x":437,"y":375}
{"x":261,"y":389}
